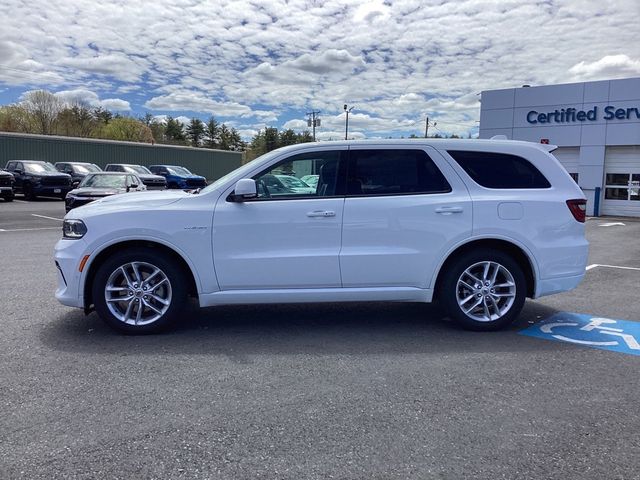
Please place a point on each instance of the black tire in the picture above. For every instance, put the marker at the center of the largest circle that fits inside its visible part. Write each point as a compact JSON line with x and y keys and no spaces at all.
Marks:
{"x":499,"y":302}
{"x":28,"y":192}
{"x":8,"y":197}
{"x":143,"y":257}
{"x":172,"y":186}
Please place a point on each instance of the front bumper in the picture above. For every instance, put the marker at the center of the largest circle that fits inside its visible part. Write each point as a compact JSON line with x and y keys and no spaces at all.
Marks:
{"x":54,"y":191}
{"x":68,"y":255}
{"x":73,"y":202}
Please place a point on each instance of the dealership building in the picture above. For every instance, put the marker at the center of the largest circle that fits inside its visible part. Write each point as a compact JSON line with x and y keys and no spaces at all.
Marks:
{"x":596,"y":126}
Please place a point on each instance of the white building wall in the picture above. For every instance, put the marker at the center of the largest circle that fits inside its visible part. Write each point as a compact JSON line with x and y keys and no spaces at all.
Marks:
{"x":504,"y":112}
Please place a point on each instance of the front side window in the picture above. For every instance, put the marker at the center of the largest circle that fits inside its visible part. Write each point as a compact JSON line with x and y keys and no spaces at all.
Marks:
{"x":499,"y":170}
{"x":393,"y":172}
{"x":284,"y":180}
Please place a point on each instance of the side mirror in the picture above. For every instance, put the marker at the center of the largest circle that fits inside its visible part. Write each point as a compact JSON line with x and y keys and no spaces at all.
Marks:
{"x":133,"y":185}
{"x":17,"y":171}
{"x":75,"y":183}
{"x":245,"y":188}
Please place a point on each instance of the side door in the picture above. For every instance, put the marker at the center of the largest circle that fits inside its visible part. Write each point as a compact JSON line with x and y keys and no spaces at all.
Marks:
{"x":405,"y":206}
{"x":289,"y":236}
{"x":17,"y":168}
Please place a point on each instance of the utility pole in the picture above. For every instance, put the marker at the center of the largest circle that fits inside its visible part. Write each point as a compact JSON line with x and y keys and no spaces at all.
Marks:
{"x":314,"y":122}
{"x":426,"y":127}
{"x":346,"y":124}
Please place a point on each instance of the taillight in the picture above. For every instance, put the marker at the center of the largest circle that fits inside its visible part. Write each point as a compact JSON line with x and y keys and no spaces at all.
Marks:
{"x":578,"y":209}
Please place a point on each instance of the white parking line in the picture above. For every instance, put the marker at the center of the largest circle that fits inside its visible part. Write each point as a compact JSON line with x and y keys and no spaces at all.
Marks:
{"x":44,"y":216}
{"x":589,"y":267}
{"x":2,"y":230}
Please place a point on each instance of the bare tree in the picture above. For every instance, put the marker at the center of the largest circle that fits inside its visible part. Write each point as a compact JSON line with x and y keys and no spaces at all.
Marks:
{"x":43,"y":107}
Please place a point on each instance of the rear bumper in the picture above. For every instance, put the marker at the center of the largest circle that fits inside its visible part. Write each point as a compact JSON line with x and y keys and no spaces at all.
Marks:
{"x":557,"y":285}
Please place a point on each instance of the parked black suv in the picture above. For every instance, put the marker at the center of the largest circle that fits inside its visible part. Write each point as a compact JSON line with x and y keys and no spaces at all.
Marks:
{"x":77,"y":170}
{"x":33,"y":178}
{"x":152,"y":182}
{"x":6,"y":186}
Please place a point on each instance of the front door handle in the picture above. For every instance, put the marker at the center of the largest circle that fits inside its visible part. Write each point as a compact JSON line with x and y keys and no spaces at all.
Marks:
{"x":321,"y":213}
{"x":448,"y":210}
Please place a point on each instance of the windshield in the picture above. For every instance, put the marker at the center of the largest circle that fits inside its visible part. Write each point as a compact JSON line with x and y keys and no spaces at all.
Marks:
{"x":101,"y":180}
{"x":39,"y":167}
{"x":89,"y":168}
{"x":179,"y":171}
{"x":137,"y":169}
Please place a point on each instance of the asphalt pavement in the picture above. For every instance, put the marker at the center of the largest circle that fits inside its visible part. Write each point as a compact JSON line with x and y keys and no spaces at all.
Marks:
{"x":358,"y":391}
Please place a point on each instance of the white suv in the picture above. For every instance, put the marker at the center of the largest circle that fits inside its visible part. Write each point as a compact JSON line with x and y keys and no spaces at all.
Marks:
{"x":477,"y":224}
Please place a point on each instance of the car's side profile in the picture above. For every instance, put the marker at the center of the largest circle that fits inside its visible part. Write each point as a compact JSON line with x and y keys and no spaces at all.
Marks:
{"x":102,"y":184}
{"x":77,"y":170}
{"x":151,"y":181}
{"x":35,"y":177}
{"x":6,"y":186}
{"x":478,"y":224}
{"x":178,"y":177}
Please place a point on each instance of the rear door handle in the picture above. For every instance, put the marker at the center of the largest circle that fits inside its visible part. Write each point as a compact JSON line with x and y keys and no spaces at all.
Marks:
{"x":448,"y":210}
{"x":321,"y":213}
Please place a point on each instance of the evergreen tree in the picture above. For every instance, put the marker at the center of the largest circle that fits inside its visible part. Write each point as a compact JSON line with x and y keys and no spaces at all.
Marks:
{"x":174,"y":131}
{"x":212,"y":133}
{"x":195,"y":131}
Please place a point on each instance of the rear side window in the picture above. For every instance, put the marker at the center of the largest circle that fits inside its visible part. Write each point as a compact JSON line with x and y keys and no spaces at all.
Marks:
{"x":499,"y":170}
{"x":393,"y":172}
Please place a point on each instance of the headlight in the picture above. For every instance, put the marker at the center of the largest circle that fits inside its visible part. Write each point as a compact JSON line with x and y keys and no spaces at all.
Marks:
{"x":73,"y":229}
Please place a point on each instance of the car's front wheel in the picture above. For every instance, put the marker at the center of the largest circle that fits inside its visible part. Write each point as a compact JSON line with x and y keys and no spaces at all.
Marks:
{"x":8,"y":197}
{"x":483,"y":290}
{"x":139,"y":291}
{"x":28,"y":192}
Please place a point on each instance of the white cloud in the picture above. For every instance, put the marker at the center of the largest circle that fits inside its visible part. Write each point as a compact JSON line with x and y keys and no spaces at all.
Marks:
{"x":611,"y":66}
{"x":90,"y":98}
{"x":272,"y":61}
{"x":180,"y":101}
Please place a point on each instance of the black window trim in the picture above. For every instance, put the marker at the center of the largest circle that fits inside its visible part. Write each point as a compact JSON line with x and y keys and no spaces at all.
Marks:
{"x":342,"y":171}
{"x":500,"y":188}
{"x":412,"y":147}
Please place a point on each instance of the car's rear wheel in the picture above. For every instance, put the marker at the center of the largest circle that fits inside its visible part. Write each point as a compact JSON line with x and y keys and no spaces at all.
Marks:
{"x":483,"y":290}
{"x":139,"y":291}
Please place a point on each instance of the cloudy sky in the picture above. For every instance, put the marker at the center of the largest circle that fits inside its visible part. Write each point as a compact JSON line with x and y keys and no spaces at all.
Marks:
{"x":266,"y":63}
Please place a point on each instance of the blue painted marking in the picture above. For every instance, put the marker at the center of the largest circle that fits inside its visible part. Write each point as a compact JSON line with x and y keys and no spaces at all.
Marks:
{"x":597,"y":332}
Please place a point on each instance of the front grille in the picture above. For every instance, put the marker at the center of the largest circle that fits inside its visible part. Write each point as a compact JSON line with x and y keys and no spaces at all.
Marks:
{"x":195,"y":183}
{"x":5,"y":181}
{"x":58,"y":181}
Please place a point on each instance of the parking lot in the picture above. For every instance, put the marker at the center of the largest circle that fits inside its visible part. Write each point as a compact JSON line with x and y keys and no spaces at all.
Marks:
{"x":312,"y":391}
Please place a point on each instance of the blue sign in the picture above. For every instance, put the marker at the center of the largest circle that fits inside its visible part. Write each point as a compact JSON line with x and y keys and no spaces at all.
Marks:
{"x":597,"y":332}
{"x":570,"y":115}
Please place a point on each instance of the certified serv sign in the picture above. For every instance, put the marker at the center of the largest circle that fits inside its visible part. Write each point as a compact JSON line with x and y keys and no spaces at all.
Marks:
{"x":572,"y":115}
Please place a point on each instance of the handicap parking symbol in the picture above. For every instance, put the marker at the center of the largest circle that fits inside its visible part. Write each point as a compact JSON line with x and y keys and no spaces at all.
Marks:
{"x":597,"y":332}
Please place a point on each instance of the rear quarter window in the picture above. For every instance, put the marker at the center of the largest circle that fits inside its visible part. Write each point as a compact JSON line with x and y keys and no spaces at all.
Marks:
{"x":499,"y":170}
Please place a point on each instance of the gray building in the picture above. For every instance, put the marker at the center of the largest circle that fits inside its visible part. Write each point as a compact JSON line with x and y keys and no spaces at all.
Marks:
{"x":596,"y":126}
{"x":209,"y":163}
